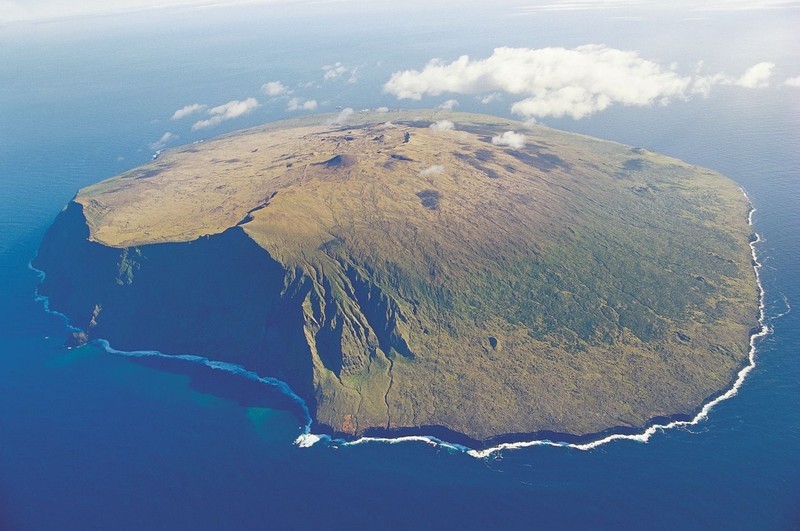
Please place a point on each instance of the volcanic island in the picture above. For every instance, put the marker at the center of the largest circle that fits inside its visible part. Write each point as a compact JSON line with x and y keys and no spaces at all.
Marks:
{"x":415,"y":271}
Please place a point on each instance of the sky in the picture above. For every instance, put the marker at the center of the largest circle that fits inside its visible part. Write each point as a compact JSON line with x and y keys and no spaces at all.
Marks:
{"x":538,"y":83}
{"x":573,"y":78}
{"x":33,"y":10}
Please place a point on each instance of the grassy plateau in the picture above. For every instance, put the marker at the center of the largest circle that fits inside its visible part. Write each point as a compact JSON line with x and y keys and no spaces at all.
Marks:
{"x":566,"y":285}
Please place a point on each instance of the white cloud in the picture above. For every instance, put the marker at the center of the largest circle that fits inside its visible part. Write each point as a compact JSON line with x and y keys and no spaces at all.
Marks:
{"x":165,"y":139}
{"x":333,"y":71}
{"x":188,"y":110}
{"x":703,"y":84}
{"x":576,"y":82}
{"x":510,"y":139}
{"x":297,"y":104}
{"x":489,"y":98}
{"x":792,"y":82}
{"x":227,"y":111}
{"x":343,"y":116}
{"x":448,"y":105}
{"x":443,"y":125}
{"x":436,"y":169}
{"x":382,"y":110}
{"x":337,"y":70}
{"x":553,"y":81}
{"x":274,"y":89}
{"x":353,"y":79}
{"x":757,"y":76}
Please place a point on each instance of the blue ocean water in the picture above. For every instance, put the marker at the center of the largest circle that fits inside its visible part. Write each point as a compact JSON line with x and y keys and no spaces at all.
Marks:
{"x":93,"y":440}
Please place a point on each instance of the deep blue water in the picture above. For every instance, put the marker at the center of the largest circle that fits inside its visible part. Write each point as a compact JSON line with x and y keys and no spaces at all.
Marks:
{"x":92,"y":440}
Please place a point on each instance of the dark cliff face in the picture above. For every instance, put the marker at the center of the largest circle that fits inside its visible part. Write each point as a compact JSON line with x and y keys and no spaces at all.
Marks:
{"x":225,"y":298}
{"x":221,"y":296}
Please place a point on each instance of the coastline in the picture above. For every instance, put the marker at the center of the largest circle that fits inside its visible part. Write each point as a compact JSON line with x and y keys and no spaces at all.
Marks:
{"x":584,"y":442}
{"x":749,"y":364}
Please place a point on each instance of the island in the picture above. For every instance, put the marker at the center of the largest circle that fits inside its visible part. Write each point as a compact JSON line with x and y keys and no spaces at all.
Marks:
{"x":423,"y":271}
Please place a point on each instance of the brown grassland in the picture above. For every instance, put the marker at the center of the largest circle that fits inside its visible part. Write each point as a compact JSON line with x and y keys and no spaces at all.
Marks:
{"x":571,"y":285}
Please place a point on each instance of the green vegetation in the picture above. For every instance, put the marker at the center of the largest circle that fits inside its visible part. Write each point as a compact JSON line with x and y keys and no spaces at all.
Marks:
{"x":426,"y":279}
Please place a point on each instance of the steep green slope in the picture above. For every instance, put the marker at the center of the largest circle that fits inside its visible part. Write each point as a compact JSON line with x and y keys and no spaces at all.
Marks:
{"x":567,"y":285}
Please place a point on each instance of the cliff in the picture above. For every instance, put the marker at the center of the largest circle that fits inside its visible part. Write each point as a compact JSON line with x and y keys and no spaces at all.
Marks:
{"x":568,"y":284}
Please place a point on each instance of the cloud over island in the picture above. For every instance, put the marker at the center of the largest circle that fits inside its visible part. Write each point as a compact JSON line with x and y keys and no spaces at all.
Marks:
{"x":557,"y":82}
{"x":442,"y":125}
{"x":436,"y":169}
{"x":510,"y":139}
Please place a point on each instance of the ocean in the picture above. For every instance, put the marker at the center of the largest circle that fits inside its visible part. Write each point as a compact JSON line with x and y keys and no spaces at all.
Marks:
{"x":90,"y":439}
